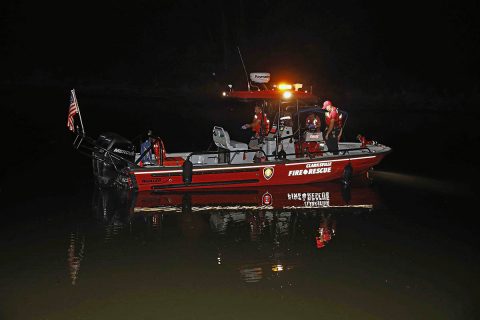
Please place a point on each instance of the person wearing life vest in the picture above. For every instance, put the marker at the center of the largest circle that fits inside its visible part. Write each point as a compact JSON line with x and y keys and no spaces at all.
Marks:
{"x":260,"y":126}
{"x":333,"y":128}
{"x":313,"y":123}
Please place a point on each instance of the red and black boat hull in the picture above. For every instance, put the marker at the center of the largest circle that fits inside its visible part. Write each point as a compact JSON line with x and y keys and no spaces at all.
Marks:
{"x":252,"y":175}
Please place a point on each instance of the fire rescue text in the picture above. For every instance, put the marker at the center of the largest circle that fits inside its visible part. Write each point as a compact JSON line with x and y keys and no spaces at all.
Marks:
{"x":312,"y":168}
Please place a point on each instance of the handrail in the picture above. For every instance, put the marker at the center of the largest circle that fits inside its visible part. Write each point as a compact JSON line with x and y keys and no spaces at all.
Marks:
{"x":311,"y":155}
{"x":343,"y":151}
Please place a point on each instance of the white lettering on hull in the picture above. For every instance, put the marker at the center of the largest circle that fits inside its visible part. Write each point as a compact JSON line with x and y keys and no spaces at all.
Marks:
{"x":306,"y":172}
{"x":319,"y":164}
{"x":311,"y":199}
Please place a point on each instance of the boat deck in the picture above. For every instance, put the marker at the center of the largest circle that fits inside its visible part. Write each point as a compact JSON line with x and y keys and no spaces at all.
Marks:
{"x":241,"y":157}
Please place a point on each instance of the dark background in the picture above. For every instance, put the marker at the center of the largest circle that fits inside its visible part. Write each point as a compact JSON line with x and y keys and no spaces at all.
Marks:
{"x":404,"y":71}
{"x":346,"y":46}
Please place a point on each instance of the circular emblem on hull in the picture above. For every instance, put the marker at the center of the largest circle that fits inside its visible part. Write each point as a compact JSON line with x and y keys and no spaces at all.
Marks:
{"x":268,"y":172}
{"x":267,"y":199}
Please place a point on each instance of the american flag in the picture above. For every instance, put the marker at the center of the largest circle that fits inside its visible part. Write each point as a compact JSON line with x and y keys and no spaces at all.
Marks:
{"x":72,"y":110}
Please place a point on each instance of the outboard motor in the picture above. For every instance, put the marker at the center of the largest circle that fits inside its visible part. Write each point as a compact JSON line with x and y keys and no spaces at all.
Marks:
{"x":111,"y":155}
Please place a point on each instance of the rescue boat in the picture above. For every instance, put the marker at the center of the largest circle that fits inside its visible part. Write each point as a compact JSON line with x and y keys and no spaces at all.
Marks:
{"x":288,"y":154}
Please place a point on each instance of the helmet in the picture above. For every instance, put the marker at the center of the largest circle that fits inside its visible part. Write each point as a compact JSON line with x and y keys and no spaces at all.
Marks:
{"x":326,"y":104}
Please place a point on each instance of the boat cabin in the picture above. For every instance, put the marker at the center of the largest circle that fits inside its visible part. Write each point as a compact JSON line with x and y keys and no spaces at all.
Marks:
{"x":295,"y":130}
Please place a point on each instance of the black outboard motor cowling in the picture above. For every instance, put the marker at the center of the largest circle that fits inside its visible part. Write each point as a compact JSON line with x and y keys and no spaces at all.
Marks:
{"x":112,"y":153}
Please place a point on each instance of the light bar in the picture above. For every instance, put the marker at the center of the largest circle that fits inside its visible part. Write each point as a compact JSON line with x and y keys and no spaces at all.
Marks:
{"x":284,"y":86}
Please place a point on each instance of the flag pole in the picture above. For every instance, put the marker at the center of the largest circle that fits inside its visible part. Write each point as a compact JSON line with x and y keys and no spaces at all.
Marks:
{"x":79,"y":114}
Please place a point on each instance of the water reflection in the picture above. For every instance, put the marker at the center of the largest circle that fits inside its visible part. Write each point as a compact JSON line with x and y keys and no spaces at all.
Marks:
{"x":278,"y":197}
{"x":261,"y":232}
{"x":251,"y":275}
{"x":326,"y":230}
{"x":75,"y":254}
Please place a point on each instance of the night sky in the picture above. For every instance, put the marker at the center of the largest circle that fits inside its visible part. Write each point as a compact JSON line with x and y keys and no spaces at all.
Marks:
{"x":405,"y":71}
{"x":386,"y":57}
{"x":336,"y":46}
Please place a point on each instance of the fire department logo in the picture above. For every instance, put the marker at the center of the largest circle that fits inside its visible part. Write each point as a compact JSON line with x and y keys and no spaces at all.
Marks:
{"x":268,"y":172}
{"x":267,"y":199}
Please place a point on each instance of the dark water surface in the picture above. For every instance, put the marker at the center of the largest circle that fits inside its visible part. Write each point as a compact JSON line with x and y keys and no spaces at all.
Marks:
{"x":96,"y":255}
{"x":403,"y":248}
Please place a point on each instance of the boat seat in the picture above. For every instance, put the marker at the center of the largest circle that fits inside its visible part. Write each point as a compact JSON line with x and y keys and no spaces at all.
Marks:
{"x":222,"y":140}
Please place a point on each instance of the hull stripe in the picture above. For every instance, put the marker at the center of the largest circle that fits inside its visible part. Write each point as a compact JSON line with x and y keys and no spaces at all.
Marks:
{"x":205,"y":169}
{"x":203,"y":184}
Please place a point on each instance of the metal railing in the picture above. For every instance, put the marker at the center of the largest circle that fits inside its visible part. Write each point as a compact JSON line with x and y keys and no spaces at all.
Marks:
{"x":87,"y":143}
{"x":310,"y":155}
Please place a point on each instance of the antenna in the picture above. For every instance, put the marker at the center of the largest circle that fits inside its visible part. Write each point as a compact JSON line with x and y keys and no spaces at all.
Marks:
{"x":244,"y":68}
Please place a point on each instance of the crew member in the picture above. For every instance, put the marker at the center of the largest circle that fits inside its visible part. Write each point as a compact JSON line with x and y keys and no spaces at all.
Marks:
{"x":313,"y":122}
{"x":260,"y":126}
{"x":333,"y":126}
{"x":155,"y":151}
{"x":146,"y":150}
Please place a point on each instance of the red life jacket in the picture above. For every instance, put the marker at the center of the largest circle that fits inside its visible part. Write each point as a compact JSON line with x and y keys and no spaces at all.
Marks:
{"x":340,"y":120}
{"x":333,"y":115}
{"x":314,"y":120}
{"x":258,"y":124}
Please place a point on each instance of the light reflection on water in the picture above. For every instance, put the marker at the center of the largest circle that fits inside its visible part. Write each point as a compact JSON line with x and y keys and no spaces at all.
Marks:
{"x":296,"y":218}
{"x":321,"y":247}
{"x":75,"y":254}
